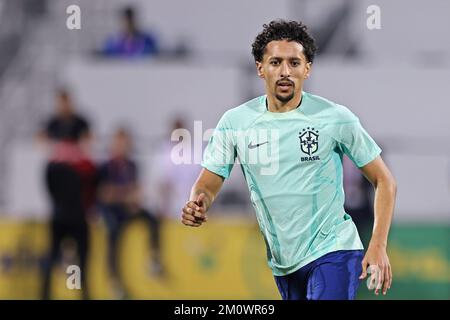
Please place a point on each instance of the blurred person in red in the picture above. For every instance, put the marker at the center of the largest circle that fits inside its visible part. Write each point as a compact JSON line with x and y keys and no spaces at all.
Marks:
{"x":70,"y":181}
{"x":131,"y":41}
{"x":120,"y":202}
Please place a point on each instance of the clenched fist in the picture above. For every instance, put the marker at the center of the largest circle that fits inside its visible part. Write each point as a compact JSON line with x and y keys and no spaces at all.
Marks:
{"x":194,"y":212}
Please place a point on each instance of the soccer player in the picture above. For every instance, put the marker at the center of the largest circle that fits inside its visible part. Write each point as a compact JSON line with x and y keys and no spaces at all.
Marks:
{"x":290,"y":146}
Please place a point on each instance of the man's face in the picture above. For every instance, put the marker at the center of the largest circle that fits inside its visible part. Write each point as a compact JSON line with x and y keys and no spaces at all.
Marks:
{"x":128,"y":25}
{"x":121,"y":145}
{"x":63,"y":106}
{"x":284,"y":67}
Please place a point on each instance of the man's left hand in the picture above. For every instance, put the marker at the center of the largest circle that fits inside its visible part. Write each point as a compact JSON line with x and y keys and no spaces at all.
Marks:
{"x":377,"y":257}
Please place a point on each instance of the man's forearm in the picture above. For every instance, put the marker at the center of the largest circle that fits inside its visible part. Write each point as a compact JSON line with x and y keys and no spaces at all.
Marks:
{"x":209,"y":184}
{"x":197,"y":189}
{"x":384,"y":203}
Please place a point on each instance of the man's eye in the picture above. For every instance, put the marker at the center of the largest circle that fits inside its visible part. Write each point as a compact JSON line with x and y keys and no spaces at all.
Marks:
{"x":274,"y":63}
{"x":295,"y":63}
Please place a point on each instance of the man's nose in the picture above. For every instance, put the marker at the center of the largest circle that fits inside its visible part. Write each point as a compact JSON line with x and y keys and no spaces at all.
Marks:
{"x":285,"y":70}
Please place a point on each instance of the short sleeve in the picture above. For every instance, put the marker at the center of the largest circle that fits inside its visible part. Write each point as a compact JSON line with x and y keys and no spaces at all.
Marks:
{"x":220,"y":152}
{"x":357,"y":144}
{"x":134,"y":171}
{"x":102,"y":174}
{"x":49,"y":127}
{"x":83,"y":127}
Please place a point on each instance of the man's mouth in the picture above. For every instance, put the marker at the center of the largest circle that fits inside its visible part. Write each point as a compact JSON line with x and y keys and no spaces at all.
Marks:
{"x":284,"y":85}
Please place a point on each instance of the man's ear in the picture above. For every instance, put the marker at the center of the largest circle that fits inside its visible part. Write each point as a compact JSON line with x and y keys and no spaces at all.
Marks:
{"x":308,"y":70}
{"x":259,"y":69}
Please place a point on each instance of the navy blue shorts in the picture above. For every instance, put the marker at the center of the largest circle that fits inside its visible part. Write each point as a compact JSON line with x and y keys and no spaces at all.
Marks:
{"x":334,"y":276}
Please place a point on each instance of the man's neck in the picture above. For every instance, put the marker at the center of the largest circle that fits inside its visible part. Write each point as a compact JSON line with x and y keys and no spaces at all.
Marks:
{"x":275,"y":105}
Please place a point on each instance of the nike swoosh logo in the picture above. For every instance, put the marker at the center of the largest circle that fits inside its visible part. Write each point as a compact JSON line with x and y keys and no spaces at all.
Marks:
{"x":253,"y":146}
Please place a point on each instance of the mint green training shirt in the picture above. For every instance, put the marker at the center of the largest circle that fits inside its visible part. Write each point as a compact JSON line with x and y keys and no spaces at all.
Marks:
{"x":292,"y":163}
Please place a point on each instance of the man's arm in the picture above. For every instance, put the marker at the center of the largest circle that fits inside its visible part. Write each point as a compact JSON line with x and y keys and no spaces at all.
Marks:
{"x":385,"y":192}
{"x":203,"y":193}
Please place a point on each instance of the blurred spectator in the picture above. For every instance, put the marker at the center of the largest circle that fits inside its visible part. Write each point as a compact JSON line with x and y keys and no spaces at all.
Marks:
{"x":131,"y":41}
{"x":358,"y":203}
{"x":120,"y":202}
{"x":70,"y":181}
{"x":173,"y":179}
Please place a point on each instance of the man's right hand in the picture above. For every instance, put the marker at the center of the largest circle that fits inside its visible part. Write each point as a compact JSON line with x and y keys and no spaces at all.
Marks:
{"x":194,"y":212}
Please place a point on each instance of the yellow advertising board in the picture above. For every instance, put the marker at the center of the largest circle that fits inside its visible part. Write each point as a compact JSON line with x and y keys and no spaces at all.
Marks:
{"x":224,"y":259}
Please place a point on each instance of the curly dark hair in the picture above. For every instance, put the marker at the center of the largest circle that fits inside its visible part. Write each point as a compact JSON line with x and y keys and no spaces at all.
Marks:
{"x":284,"y":30}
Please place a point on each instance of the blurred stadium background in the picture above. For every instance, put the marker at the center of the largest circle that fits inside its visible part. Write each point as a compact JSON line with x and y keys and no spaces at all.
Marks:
{"x":395,"y":79}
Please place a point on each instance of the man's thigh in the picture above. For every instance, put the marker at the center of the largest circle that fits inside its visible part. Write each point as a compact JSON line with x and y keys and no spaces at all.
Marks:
{"x":337,"y":277}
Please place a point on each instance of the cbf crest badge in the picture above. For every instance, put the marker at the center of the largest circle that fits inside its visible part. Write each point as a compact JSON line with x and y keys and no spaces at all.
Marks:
{"x":309,"y":143}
